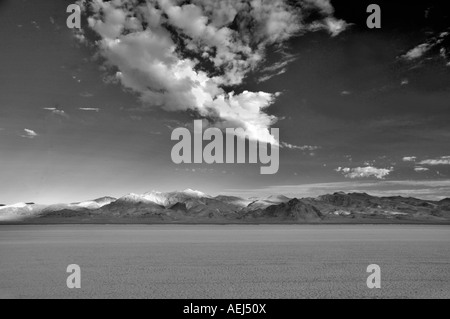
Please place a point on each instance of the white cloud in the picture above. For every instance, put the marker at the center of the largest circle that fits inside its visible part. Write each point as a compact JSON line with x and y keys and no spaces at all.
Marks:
{"x":79,"y":35}
{"x":365,"y":172}
{"x":267,"y":77}
{"x":421,"y":169}
{"x":231,"y":37}
{"x":437,"y":41}
{"x":409,"y":159}
{"x":417,"y":52}
{"x":301,"y":148}
{"x":331,"y":24}
{"x":56,"y":111}
{"x":335,"y":27}
{"x":29,"y":134}
{"x":36,"y":25}
{"x":443,"y":160}
{"x":89,"y":109}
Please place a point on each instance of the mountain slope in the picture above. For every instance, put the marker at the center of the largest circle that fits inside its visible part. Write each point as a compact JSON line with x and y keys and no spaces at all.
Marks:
{"x":294,"y":210}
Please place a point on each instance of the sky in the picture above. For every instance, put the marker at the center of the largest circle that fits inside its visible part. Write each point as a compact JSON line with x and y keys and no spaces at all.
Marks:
{"x":89,"y":113}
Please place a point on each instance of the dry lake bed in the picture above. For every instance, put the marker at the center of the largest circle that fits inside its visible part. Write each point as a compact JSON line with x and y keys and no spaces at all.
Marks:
{"x":308,"y":261}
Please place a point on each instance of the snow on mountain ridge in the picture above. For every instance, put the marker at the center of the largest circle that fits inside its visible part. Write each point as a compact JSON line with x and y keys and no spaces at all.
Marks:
{"x":87,"y":204}
{"x":171,"y":198}
{"x":132,"y":197}
{"x":156,"y":197}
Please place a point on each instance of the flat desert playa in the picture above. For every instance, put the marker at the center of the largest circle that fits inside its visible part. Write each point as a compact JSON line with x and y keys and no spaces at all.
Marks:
{"x":162,"y":261}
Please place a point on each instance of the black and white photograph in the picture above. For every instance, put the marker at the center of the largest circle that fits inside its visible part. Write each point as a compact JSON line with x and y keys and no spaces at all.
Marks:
{"x":209,"y":151}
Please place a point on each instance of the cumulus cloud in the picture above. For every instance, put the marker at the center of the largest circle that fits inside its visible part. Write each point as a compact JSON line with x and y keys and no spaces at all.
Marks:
{"x":186,"y":56}
{"x":409,"y":159}
{"x":365,"y":172}
{"x":421,"y":169}
{"x":443,"y":160}
{"x":29,"y":134}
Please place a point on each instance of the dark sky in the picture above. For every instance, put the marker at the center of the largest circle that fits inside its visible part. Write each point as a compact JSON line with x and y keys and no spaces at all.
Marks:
{"x":372,"y":105}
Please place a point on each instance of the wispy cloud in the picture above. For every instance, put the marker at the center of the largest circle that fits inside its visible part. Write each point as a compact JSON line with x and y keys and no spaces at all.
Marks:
{"x":277,"y":68}
{"x":417,"y":52}
{"x":301,"y":148}
{"x":435,"y":45}
{"x":443,"y":160}
{"x":56,"y":111}
{"x":89,"y":109}
{"x":409,"y":159}
{"x":267,"y":77}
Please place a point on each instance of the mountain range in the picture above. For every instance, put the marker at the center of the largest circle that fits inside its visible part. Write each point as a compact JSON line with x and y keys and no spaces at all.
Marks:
{"x":191,"y":206}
